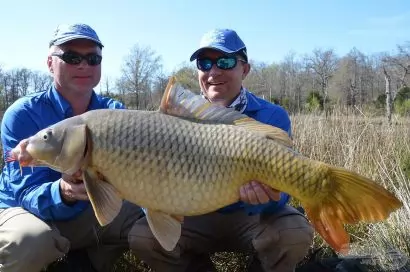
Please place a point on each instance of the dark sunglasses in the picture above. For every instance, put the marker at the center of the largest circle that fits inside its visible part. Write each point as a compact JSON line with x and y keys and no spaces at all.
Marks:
{"x":75,"y":58}
{"x":224,"y":63}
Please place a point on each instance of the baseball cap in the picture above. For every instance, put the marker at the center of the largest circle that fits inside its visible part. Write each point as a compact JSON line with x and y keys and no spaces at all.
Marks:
{"x":224,"y":40}
{"x":68,"y":32}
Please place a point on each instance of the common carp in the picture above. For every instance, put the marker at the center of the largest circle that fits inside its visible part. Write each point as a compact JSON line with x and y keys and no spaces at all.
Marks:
{"x":191,"y":157}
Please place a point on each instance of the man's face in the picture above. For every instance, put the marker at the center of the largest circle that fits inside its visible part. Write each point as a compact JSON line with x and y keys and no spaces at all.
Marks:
{"x":221,"y":86}
{"x":75,"y":78}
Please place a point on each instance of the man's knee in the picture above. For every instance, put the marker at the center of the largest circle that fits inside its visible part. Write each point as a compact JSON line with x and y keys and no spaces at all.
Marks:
{"x":285,"y":239}
{"x":145,"y":246}
{"x":21,"y":234}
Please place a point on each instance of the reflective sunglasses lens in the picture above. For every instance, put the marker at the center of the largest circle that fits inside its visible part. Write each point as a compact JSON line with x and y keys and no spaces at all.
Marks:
{"x":71,"y":58}
{"x":204,"y":64}
{"x":226,"y":63}
{"x":75,"y":58}
{"x":93,"y":59}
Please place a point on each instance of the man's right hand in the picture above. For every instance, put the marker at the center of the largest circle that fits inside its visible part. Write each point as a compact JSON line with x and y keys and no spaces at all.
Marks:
{"x":72,"y":188}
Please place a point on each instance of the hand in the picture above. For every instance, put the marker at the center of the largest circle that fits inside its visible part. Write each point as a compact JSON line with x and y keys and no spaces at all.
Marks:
{"x":257,"y":193}
{"x":72,"y":188}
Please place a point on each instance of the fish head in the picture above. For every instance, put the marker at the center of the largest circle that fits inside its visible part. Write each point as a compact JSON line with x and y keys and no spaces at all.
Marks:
{"x":62,"y":147}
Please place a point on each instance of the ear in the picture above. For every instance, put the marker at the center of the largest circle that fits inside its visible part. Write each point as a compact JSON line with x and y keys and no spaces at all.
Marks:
{"x":50,"y":64}
{"x":246,"y":69}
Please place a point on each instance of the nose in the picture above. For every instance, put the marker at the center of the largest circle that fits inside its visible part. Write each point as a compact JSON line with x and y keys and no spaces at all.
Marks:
{"x":214,"y":70}
{"x":83,"y":64}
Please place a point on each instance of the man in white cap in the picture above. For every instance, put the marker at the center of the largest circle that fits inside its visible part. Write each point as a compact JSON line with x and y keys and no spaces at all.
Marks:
{"x":262,"y":222}
{"x":43,"y":214}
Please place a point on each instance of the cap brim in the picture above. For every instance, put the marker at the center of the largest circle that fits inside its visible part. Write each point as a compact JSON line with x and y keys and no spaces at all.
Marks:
{"x":75,"y":37}
{"x":217,"y":48}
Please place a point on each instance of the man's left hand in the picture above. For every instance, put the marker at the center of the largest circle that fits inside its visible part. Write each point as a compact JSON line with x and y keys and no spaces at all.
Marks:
{"x":257,"y":193}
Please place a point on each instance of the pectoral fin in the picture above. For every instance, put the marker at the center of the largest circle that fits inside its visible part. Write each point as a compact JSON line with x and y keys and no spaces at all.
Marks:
{"x":104,"y":198}
{"x":166,"y":228}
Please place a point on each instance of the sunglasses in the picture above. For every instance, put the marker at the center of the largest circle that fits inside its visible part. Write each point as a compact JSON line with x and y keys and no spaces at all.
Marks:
{"x":224,"y":63}
{"x":75,"y":58}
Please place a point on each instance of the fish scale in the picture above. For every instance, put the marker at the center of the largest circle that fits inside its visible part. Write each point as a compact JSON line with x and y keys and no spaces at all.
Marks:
{"x":218,"y":166}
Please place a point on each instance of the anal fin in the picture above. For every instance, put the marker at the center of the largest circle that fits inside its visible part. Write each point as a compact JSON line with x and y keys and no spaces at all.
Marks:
{"x":166,"y":228}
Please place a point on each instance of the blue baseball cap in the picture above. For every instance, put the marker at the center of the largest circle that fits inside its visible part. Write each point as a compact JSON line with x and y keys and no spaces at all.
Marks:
{"x":224,"y":40}
{"x":68,"y":32}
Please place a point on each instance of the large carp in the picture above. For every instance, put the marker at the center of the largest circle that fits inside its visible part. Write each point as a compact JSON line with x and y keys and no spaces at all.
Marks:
{"x":191,"y":157}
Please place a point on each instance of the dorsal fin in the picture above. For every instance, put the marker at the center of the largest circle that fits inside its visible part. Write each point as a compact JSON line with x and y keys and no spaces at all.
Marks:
{"x":181,"y":102}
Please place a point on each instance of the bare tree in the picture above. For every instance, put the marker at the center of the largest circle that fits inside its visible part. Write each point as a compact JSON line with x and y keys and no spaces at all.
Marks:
{"x":294,"y":76}
{"x":40,"y":81}
{"x":140,"y":69}
{"x":263,"y":80}
{"x":158,"y":91}
{"x":187,"y":76}
{"x":400,"y":64}
{"x":323,"y":63}
{"x":389,"y":104}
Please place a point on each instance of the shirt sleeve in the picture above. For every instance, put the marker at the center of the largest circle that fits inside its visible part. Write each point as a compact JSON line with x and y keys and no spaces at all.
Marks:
{"x":280,"y":118}
{"x":35,"y":189}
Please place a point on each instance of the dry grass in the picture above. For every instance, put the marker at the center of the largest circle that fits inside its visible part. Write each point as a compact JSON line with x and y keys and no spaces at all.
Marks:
{"x":372,"y":148}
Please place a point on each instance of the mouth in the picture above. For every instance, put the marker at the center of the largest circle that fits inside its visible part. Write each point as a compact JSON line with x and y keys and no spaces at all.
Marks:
{"x":20,"y":154}
{"x":215,"y":83}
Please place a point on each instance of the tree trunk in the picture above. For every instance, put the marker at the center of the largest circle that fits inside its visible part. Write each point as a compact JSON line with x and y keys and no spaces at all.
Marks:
{"x":389,"y":104}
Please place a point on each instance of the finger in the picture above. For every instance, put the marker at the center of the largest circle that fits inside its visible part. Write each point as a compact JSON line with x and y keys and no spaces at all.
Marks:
{"x":77,"y":181}
{"x":78,"y":174}
{"x":260,"y":193}
{"x":67,"y":178}
{"x":253,"y":199}
{"x":272,"y":193}
{"x":79,"y":190}
{"x":82,"y":197}
{"x":243,"y":195}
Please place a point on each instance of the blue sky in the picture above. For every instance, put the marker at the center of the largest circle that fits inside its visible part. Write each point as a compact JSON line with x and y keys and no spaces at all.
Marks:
{"x":270,"y":29}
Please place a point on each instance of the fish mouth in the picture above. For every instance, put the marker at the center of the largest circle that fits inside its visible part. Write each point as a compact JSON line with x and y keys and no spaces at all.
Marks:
{"x":20,"y":154}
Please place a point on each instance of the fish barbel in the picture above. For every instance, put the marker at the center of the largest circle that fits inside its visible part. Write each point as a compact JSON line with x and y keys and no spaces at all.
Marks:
{"x":191,"y":157}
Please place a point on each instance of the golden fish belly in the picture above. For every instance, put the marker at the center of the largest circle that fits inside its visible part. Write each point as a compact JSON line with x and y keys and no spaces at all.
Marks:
{"x":180,"y":167}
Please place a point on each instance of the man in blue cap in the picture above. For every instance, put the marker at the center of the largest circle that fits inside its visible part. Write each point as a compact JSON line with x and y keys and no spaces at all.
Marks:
{"x":262,"y":222}
{"x":43,"y":214}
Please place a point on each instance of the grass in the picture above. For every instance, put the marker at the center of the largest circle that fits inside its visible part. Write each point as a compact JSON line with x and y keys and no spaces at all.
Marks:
{"x":370,"y":147}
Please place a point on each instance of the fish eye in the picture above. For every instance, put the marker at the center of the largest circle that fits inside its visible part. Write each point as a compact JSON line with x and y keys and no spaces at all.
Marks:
{"x":47,"y":135}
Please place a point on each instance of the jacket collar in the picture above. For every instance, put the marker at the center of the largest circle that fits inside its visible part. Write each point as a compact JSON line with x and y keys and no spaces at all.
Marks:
{"x":253,"y":103}
{"x":62,"y":106}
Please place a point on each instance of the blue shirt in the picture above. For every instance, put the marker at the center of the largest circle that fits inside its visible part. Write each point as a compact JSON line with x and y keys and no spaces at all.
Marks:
{"x":268,"y":113}
{"x":38,"y":190}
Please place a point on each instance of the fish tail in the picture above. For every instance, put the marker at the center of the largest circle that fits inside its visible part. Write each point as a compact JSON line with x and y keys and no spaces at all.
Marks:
{"x":352,"y":198}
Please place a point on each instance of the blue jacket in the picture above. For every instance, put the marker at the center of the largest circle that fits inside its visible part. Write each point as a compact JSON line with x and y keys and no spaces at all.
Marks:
{"x":274,"y":115}
{"x":38,"y":191}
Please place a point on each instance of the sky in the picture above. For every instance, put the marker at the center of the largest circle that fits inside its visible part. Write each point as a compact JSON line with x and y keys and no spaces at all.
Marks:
{"x":270,"y":29}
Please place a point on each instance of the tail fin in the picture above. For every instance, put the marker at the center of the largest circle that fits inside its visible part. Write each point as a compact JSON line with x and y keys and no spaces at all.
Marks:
{"x":353,"y":199}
